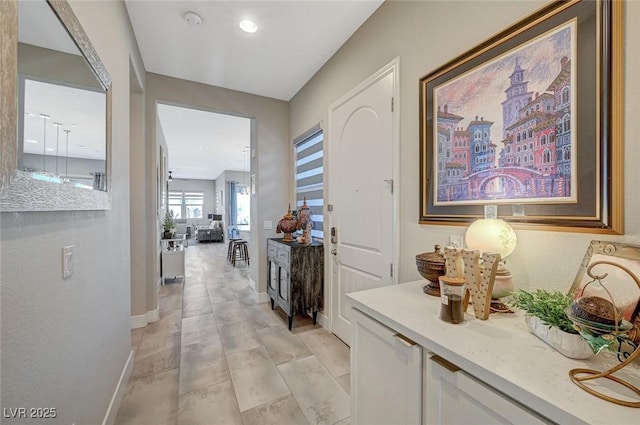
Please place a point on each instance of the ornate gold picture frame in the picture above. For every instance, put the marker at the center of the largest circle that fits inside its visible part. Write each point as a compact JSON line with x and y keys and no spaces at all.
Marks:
{"x":454,"y":173}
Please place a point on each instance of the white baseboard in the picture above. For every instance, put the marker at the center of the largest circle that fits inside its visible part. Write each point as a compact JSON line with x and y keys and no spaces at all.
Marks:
{"x":263,"y":297}
{"x":142,"y":320}
{"x":153,"y":315}
{"x":323,"y":320}
{"x":116,"y":399}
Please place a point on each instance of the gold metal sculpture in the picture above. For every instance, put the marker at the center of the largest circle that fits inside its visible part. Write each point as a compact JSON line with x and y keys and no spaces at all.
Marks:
{"x":631,"y":333}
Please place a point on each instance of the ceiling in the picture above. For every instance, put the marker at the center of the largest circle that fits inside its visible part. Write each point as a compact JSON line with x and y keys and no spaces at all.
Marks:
{"x":293,"y":41}
{"x":203,"y":144}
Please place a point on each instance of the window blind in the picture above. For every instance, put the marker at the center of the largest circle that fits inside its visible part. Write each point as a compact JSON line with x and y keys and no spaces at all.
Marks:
{"x":309,"y":178}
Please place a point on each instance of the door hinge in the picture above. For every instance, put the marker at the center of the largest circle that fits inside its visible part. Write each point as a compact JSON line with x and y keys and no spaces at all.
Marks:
{"x":391,"y":269}
{"x":392,"y":104}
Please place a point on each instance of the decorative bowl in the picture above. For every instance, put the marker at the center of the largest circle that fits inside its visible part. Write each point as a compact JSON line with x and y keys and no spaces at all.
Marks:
{"x":431,"y":266}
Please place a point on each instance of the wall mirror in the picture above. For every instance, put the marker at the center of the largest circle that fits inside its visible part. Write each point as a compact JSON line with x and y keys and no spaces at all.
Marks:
{"x":59,"y":155}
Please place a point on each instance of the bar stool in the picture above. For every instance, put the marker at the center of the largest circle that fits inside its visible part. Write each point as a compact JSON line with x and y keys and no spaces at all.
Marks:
{"x":239,"y":252}
{"x":230,"y":249}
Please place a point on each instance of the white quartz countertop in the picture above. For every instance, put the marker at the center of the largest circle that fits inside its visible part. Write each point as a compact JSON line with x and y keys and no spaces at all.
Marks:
{"x":504,"y":354}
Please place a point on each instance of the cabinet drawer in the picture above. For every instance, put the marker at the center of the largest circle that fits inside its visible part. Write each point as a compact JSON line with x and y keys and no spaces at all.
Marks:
{"x":386,"y":374}
{"x":455,"y":397}
{"x":272,"y":250}
{"x":283,"y":255}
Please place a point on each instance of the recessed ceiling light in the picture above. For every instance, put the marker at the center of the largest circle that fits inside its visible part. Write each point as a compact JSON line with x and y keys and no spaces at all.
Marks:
{"x":193,"y":18}
{"x":247,"y":25}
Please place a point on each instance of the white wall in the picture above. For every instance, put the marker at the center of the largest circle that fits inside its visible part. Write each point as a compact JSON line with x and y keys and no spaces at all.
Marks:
{"x":65,"y":342}
{"x":425,"y":35}
{"x":208,"y":187}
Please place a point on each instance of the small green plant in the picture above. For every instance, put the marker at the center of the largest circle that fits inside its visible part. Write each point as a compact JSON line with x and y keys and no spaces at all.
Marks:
{"x":548,"y":306}
{"x":168,"y":223}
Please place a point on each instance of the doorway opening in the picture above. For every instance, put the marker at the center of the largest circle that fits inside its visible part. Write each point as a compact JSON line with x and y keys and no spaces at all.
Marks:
{"x":209,"y":159}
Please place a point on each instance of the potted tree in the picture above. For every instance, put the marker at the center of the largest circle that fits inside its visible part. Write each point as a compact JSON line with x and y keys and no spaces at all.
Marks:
{"x":546,"y":318}
{"x":169,"y":225}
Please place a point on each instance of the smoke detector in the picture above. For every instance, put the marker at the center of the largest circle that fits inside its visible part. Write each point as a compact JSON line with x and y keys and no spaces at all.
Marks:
{"x":193,"y":18}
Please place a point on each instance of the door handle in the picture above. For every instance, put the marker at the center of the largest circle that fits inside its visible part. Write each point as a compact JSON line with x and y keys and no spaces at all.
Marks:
{"x":334,"y":251}
{"x":390,"y":182}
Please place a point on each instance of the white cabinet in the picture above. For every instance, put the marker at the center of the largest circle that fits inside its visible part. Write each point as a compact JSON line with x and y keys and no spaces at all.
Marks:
{"x":488,"y":371}
{"x":172,"y":258}
{"x":455,"y":397}
{"x":391,"y":383}
{"x":386,"y":374}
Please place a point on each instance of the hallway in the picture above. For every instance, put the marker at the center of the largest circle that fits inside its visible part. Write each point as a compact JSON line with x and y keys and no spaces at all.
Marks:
{"x":216,"y":356}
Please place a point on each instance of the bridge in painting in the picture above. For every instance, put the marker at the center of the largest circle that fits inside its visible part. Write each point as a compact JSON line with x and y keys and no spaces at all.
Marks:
{"x":505,"y":183}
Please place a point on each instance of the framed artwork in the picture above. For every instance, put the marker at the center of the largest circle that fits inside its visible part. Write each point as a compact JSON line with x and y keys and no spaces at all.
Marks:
{"x":531,"y":121}
{"x":620,"y":285}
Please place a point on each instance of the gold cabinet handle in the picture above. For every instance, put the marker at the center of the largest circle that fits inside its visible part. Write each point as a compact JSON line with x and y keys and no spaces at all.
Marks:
{"x":406,"y":341}
{"x":445,"y":363}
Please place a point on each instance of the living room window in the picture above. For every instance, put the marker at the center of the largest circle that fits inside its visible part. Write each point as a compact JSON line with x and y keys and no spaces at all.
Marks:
{"x":309,"y":176}
{"x":186,"y":204}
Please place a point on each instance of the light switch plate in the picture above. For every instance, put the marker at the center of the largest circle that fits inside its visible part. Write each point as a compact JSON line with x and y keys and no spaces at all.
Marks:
{"x":268,"y":225}
{"x":67,"y":261}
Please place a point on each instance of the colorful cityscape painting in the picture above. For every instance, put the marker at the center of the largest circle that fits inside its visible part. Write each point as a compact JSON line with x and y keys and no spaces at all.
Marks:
{"x":503,"y":130}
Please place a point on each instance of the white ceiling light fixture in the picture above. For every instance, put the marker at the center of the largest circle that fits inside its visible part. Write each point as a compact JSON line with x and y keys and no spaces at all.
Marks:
{"x":247,"y":25}
{"x":193,"y":18}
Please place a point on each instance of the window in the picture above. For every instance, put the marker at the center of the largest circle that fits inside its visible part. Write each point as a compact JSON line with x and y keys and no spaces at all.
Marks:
{"x":175,"y":204}
{"x":565,"y":95}
{"x":194,"y":204}
{"x":186,"y":204}
{"x":309,"y":176}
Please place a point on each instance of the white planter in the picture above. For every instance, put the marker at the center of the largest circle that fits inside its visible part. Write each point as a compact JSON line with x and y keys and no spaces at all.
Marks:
{"x":569,"y":345}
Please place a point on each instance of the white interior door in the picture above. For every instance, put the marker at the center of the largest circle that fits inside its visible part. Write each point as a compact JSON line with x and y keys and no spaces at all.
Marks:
{"x":360,"y":162}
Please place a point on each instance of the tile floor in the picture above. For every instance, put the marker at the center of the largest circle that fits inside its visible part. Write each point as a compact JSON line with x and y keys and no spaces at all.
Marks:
{"x":216,"y":356}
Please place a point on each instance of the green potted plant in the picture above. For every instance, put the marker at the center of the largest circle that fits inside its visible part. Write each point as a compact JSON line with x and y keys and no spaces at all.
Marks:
{"x":169,"y":225}
{"x":546,"y":318}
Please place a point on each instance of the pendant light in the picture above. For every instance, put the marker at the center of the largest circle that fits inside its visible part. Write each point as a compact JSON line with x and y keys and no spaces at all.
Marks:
{"x":44,"y":117}
{"x":58,"y":125}
{"x":66,"y":155}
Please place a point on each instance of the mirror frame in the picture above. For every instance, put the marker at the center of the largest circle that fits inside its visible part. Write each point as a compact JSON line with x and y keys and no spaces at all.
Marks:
{"x":18,"y":191}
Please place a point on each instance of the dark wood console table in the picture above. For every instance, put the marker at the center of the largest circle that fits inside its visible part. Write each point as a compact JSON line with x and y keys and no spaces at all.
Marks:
{"x":296,"y":277}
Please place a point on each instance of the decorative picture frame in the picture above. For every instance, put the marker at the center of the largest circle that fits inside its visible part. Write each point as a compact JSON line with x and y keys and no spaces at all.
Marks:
{"x":530,"y":120}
